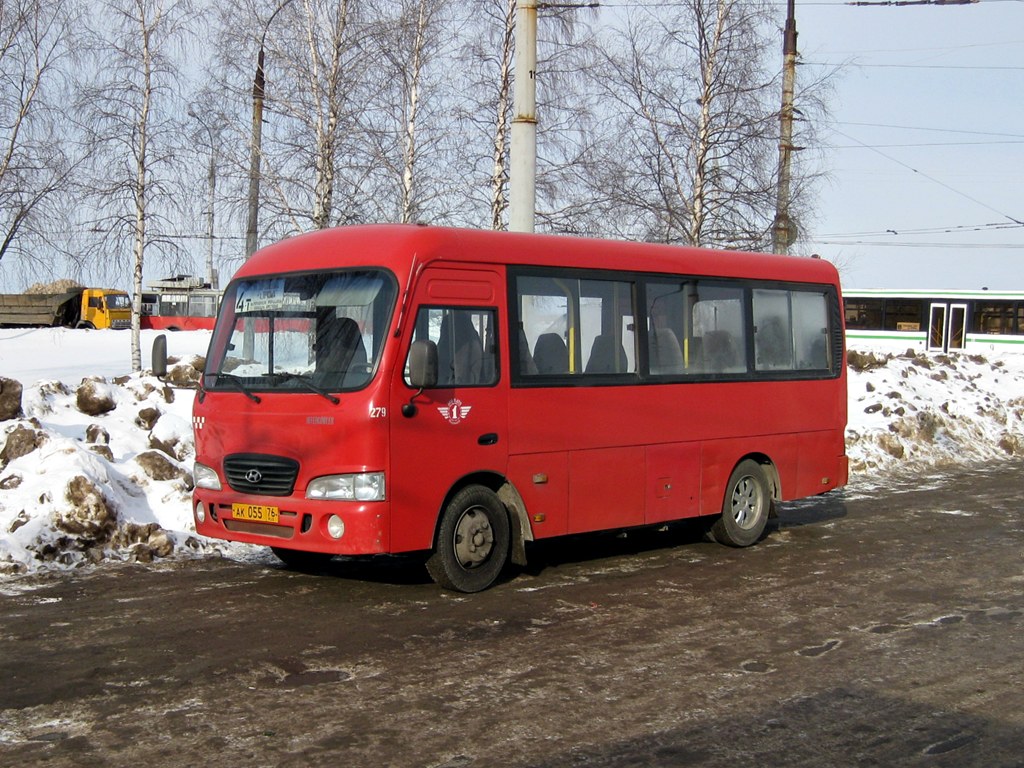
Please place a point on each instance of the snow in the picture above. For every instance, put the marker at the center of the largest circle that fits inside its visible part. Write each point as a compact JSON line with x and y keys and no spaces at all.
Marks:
{"x":115,"y":486}
{"x":92,"y":490}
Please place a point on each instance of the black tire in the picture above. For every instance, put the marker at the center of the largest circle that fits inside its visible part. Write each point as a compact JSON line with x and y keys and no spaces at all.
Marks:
{"x":746,"y":506}
{"x":306,"y":562}
{"x":472,"y":542}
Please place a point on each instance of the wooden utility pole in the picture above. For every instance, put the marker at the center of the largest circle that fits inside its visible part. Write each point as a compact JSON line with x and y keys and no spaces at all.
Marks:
{"x":783,"y":230}
{"x":255,"y":150}
{"x":259,"y":93}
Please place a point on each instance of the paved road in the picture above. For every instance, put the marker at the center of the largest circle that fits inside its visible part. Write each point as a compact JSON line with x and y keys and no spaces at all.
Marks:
{"x":877,"y":626}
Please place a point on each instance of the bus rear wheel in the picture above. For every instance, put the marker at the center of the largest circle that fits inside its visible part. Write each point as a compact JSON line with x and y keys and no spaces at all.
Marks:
{"x":472,"y":542}
{"x":745,"y":508}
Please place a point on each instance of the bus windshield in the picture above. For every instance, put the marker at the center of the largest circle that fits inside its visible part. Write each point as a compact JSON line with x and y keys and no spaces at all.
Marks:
{"x":301,"y":332}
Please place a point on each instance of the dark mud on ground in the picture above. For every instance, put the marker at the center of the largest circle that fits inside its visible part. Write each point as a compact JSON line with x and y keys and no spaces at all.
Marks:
{"x":876,"y":626}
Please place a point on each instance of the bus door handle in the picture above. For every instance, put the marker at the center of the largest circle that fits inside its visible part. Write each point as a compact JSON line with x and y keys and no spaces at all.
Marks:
{"x":491,"y":438}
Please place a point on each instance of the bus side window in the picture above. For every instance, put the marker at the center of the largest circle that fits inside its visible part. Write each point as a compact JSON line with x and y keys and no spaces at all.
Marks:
{"x":546,"y":317}
{"x":669,"y":339}
{"x":719,"y":328}
{"x":810,"y":330}
{"x":466,"y":345}
{"x":773,"y":331}
{"x":571,"y":325}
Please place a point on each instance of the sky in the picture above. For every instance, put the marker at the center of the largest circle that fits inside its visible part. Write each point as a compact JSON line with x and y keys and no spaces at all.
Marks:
{"x":926,"y":155}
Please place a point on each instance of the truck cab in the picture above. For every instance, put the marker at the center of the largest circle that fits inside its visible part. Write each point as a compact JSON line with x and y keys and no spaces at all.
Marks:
{"x":105,"y":308}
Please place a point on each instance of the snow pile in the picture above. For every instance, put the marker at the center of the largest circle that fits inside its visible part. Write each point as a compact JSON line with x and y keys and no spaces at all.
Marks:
{"x":93,"y":472}
{"x":915,"y":409}
{"x":101,"y":470}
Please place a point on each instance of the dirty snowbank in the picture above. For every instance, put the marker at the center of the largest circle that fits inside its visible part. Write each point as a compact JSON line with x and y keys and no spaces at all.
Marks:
{"x":914,"y":409}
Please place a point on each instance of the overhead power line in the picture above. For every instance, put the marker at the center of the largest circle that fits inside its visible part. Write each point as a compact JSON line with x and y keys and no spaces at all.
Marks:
{"x":940,"y":230}
{"x":957,"y":246}
{"x":912,"y":2}
{"x":942,"y":184}
{"x":927,"y":144}
{"x":934,"y":129}
{"x":919,"y":66}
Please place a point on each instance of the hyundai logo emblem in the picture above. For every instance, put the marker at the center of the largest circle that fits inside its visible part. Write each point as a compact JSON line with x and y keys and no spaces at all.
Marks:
{"x":253,"y":476}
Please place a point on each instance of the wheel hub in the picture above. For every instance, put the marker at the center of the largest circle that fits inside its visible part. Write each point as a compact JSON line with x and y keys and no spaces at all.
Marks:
{"x":474,"y":538}
{"x":746,"y":502}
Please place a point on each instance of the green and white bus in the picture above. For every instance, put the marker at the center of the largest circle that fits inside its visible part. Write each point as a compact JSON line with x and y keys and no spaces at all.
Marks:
{"x":990,"y":322}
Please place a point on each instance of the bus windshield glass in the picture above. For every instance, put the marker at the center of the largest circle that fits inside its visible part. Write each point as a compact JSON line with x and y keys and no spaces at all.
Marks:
{"x":321,"y":331}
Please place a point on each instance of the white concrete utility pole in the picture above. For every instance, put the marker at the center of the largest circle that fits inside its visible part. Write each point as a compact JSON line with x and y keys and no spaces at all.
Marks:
{"x":522,"y":180}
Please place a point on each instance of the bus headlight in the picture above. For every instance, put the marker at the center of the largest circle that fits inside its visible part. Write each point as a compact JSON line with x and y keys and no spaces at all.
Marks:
{"x":205,"y":477}
{"x":368,"y":486}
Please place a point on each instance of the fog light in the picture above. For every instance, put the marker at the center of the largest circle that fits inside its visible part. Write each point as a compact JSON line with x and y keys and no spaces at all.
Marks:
{"x":335,"y":527}
{"x":200,"y":512}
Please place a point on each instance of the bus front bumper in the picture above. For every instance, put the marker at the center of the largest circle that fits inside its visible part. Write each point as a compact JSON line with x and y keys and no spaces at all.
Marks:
{"x":335,"y":527}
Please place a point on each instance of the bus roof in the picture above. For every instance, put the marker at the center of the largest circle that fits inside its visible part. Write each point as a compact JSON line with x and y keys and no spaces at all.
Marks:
{"x":391,"y":246}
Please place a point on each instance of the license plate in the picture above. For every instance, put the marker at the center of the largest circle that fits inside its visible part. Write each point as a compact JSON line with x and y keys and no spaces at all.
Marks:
{"x":256,"y":513}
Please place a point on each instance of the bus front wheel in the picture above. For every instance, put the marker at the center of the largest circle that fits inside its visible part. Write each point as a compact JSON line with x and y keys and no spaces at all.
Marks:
{"x":745,"y":508}
{"x":472,"y":542}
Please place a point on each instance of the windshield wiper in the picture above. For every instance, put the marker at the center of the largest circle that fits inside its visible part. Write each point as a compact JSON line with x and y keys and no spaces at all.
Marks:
{"x":237,"y":383}
{"x":305,"y":381}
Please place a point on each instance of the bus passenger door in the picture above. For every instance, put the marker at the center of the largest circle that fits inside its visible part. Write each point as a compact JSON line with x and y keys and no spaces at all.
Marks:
{"x":947,"y":327}
{"x":460,"y":427}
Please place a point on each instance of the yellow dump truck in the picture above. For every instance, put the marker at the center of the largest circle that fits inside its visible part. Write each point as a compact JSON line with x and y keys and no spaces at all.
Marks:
{"x":74,"y":308}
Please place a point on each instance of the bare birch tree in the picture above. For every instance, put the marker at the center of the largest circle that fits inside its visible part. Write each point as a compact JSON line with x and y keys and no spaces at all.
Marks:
{"x":403,"y":113}
{"x":317,"y":75}
{"x":479,"y":75}
{"x":325,"y":38}
{"x":696,"y":105}
{"x":35,"y":164}
{"x":566,"y":116}
{"x":419,"y":32}
{"x":503,"y":116}
{"x":131,"y":117}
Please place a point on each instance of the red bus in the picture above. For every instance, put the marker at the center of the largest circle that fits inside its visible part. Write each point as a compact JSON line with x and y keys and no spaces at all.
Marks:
{"x":395,"y":389}
{"x":180,"y":303}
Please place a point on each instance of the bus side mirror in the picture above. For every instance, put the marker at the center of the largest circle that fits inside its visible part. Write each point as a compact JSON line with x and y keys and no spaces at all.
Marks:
{"x":423,"y":364}
{"x":422,"y":371}
{"x":160,"y":356}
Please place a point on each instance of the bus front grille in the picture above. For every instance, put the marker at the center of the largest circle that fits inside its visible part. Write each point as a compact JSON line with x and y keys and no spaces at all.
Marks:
{"x":261,"y":474}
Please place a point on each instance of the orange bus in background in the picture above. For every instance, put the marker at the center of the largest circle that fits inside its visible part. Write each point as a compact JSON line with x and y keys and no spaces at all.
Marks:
{"x":391,"y":389}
